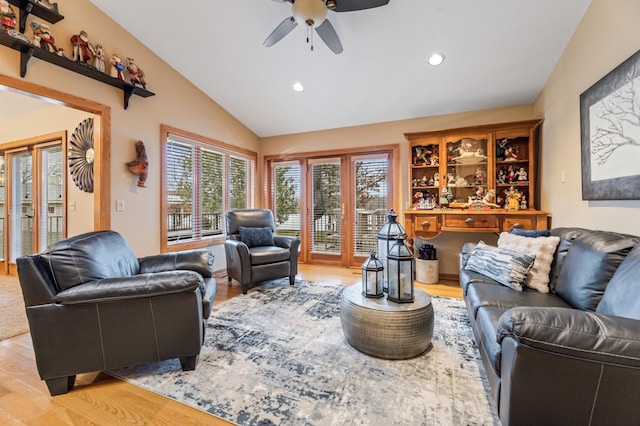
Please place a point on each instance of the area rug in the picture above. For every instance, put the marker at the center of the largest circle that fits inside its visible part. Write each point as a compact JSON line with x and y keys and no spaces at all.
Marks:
{"x":13,"y":317}
{"x":277,"y":356}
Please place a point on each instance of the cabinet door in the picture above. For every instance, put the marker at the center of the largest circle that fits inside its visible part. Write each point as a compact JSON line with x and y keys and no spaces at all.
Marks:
{"x":514,"y":167}
{"x":468,"y":171}
{"x":425,"y":172}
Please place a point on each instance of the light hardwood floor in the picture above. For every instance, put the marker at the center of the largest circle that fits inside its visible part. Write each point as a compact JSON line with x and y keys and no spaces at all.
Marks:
{"x":101,"y":399}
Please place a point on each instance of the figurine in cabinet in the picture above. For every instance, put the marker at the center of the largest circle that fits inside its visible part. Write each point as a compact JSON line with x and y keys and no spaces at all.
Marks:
{"x":82,"y":49}
{"x":501,"y":179}
{"x":99,"y":58}
{"x":136,"y":75}
{"x":522,"y":175}
{"x":523,"y":202}
{"x":513,"y":198}
{"x":117,"y":67}
{"x":7,"y":16}
{"x":436,"y":179}
{"x":444,"y":199}
{"x":434,"y":160}
{"x":479,"y":176}
{"x":420,"y":154}
{"x":42,"y":37}
{"x":511,"y":174}
{"x":510,"y":154}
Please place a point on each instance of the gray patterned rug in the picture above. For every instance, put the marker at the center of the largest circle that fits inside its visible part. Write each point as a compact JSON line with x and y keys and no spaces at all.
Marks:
{"x":277,"y":356}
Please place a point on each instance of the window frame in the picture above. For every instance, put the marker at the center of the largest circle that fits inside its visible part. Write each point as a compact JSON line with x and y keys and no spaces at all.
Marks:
{"x":228,"y":151}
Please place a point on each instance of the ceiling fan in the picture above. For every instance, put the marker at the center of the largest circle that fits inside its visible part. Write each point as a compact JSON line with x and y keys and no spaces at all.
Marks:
{"x":312,"y":14}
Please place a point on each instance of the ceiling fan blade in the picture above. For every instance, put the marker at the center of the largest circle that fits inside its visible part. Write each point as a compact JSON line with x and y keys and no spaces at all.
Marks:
{"x":328,"y":34}
{"x":351,"y":5}
{"x":281,"y":30}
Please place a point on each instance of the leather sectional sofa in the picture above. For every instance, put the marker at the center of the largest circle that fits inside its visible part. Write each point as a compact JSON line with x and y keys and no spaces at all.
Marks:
{"x":570,"y":356}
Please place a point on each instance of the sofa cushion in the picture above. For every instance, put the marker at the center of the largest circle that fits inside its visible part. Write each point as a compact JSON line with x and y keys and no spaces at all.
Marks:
{"x":256,"y":237}
{"x":588,"y":266}
{"x":543,"y":248}
{"x":265,"y":255}
{"x":622,"y":295}
{"x":89,"y":257}
{"x":485,"y":294}
{"x":507,"y":267}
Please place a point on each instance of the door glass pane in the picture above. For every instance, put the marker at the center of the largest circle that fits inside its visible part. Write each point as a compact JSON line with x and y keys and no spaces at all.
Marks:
{"x":286,"y":199}
{"x":211,"y":194}
{"x":326,"y":205}
{"x":371,"y":200}
{"x":51,"y":204}
{"x":22,"y":205}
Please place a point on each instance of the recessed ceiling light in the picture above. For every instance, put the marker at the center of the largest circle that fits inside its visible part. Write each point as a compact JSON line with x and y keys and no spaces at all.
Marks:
{"x":298,"y":87}
{"x":436,"y":59}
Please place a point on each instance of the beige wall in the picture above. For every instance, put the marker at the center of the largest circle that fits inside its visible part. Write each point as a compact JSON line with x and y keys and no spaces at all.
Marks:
{"x":177,"y":103}
{"x":608,"y":34}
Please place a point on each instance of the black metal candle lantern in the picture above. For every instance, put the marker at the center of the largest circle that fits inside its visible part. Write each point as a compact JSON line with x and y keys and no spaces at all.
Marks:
{"x":387,"y":237}
{"x":400,"y":273}
{"x":372,"y":277}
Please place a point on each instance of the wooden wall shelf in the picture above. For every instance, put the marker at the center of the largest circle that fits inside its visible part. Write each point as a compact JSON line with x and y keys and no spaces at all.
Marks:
{"x":28,"y":50}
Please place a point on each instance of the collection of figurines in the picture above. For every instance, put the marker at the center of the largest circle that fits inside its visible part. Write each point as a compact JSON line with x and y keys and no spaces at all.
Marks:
{"x":465,"y":151}
{"x":511,"y":174}
{"x":506,"y":152}
{"x":84,"y":52}
{"x":426,"y":155}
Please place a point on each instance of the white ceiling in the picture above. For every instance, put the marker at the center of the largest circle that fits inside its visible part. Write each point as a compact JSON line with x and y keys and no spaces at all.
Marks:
{"x":498,"y":53}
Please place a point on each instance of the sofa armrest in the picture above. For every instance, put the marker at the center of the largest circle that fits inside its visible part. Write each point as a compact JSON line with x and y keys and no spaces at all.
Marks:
{"x":126,"y":288}
{"x":574,"y":333}
{"x":238,"y":260}
{"x":465,"y":252}
{"x":198,"y":260}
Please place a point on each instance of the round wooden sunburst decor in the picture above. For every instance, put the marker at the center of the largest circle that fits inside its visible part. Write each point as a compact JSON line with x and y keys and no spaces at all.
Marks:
{"x":81,"y":155}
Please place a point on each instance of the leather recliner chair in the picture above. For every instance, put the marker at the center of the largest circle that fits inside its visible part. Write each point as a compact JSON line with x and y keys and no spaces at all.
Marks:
{"x":253,"y":253}
{"x":92,"y":305}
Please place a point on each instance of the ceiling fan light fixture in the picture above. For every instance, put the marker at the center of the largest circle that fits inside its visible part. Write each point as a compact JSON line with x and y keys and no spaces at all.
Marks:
{"x":436,"y":59}
{"x":309,"y":12}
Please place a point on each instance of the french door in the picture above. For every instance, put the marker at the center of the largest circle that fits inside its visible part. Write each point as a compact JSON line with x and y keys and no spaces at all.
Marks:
{"x":33,"y":217}
{"x":335,"y":203}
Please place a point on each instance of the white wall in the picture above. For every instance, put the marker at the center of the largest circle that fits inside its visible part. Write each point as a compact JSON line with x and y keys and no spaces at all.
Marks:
{"x":608,"y":34}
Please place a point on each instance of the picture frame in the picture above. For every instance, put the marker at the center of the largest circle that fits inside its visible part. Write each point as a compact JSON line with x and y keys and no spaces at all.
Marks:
{"x":610,"y":134}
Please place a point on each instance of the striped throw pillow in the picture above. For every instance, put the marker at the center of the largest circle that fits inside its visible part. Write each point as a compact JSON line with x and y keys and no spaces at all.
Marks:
{"x":508,"y":267}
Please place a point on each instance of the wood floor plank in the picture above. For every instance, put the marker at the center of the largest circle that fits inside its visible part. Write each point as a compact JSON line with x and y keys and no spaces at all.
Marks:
{"x":99,"y":399}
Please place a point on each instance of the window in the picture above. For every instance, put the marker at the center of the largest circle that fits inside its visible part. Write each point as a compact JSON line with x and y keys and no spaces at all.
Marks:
{"x":202,"y":179}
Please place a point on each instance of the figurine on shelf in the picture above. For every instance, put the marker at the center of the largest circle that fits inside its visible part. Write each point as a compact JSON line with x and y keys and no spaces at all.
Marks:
{"x":479,"y":176}
{"x":436,"y":179}
{"x":136,"y":75}
{"x":99,"y":58}
{"x":417,"y":198}
{"x":420,"y":155}
{"x":511,"y":174}
{"x":7,"y":16}
{"x":42,"y":37}
{"x":479,"y":194}
{"x":424,"y":181}
{"x":434,"y":160}
{"x":117,"y":67}
{"x":501,"y":179}
{"x":501,"y":145}
{"x":431,"y":181}
{"x":513,"y":198}
{"x":82,"y":49}
{"x":522,"y":175}
{"x":500,"y":201}
{"x":510,"y":154}
{"x":444,"y":199}
{"x":523,"y":202}
{"x":451,"y":178}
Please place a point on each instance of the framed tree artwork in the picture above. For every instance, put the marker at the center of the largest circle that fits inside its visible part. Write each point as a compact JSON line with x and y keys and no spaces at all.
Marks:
{"x":610,"y":134}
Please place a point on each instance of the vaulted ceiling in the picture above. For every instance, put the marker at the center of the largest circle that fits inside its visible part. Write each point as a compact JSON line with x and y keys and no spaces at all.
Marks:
{"x":497,"y":53}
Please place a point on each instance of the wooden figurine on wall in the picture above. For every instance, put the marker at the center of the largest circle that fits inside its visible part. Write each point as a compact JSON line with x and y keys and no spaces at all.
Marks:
{"x":140,"y":165}
{"x":7,"y":16}
{"x":82,"y":49}
{"x":136,"y":75}
{"x":117,"y":67}
{"x":42,"y":37}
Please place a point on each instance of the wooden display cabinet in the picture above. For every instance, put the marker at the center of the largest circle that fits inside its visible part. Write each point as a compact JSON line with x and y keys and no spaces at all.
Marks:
{"x":462,"y":178}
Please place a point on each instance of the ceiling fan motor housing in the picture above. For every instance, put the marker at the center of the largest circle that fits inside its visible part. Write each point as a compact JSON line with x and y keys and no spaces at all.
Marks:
{"x":309,"y":12}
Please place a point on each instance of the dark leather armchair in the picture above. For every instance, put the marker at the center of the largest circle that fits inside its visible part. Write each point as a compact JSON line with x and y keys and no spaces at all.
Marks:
{"x":254,"y":254}
{"x":92,"y":305}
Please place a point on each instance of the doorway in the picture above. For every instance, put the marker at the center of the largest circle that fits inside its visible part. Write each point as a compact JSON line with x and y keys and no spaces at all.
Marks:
{"x":335,"y":202}
{"x":34,"y":189}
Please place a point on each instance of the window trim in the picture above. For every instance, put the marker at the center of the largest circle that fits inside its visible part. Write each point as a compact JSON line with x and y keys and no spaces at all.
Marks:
{"x":227,"y":150}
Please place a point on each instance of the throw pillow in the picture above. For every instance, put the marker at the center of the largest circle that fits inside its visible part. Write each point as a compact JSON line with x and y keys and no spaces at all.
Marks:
{"x":532,"y":233}
{"x":505,"y":266}
{"x":542,"y":248}
{"x":622,"y":295}
{"x":256,"y":237}
{"x":589,"y":265}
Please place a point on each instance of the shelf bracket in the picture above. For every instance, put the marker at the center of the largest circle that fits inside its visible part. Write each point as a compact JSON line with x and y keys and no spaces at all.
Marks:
{"x":24,"y":60}
{"x":23,"y":17}
{"x":128,"y":92}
